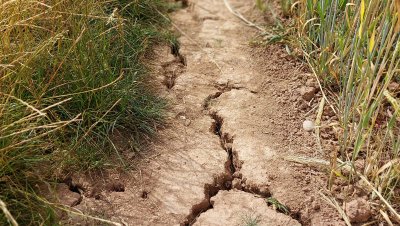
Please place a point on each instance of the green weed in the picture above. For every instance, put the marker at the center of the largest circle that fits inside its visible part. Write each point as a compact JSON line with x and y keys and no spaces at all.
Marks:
{"x":250,"y":220}
{"x":277,"y":205}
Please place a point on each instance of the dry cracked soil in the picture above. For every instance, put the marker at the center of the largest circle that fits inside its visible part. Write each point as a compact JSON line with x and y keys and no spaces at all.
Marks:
{"x":235,"y":115}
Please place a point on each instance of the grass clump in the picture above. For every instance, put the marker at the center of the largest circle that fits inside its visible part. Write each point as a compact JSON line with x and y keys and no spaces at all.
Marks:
{"x":70,"y":74}
{"x":277,"y":205}
{"x":251,"y":219}
{"x":353,"y":46}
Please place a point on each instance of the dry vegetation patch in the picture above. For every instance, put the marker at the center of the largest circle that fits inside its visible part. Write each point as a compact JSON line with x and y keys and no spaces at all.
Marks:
{"x":353,"y":50}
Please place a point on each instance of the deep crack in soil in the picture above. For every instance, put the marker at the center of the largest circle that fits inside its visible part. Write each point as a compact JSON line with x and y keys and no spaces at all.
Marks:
{"x":172,"y":70}
{"x":232,"y":166}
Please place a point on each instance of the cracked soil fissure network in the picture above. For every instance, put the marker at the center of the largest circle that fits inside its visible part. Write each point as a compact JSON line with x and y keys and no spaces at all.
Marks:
{"x":234,"y":115}
{"x":232,"y":165}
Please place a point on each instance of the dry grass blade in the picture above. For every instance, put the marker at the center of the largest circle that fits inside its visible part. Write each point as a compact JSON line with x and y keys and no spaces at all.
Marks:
{"x":63,"y":124}
{"x":24,"y":103}
{"x":320,"y":85}
{"x":77,"y":213}
{"x":240,"y":16}
{"x":91,"y":90}
{"x":387,"y":204}
{"x":386,"y":217}
{"x":308,"y":161}
{"x":318,"y":124}
{"x":7,"y":213}
{"x":332,"y":201}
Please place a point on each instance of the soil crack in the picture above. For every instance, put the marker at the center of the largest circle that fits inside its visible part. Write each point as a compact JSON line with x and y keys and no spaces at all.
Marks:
{"x":174,"y":68}
{"x":228,"y":87}
{"x":231,"y":178}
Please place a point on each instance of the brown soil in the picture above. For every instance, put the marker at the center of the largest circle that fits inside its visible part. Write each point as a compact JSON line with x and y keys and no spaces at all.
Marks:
{"x":236,"y":114}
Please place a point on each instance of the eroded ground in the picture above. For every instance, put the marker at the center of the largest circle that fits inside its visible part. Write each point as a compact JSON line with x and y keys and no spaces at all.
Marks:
{"x":236,"y":113}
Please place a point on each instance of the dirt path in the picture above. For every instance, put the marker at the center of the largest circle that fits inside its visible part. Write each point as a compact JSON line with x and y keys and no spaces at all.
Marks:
{"x":235,"y":115}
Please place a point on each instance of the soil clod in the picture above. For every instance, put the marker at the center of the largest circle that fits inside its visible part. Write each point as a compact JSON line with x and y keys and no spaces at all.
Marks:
{"x":358,"y":210}
{"x":308,"y":93}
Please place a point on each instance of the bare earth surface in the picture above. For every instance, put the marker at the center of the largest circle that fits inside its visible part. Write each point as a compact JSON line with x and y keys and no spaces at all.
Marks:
{"x":236,"y":114}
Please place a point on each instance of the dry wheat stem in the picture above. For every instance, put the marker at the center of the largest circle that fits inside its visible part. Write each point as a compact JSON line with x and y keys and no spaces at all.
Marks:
{"x":7,"y":213}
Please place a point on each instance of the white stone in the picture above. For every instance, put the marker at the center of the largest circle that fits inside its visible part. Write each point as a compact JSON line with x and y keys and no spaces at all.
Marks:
{"x":308,"y":125}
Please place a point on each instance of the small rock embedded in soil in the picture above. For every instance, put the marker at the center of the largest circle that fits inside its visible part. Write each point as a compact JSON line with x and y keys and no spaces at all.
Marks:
{"x":308,"y":93}
{"x":66,"y":196}
{"x":358,"y":210}
{"x":237,"y":184}
{"x":237,"y":175}
{"x":188,"y":122}
{"x":308,"y":125}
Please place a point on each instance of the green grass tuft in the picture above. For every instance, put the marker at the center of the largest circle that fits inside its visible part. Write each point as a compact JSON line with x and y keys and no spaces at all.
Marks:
{"x":251,"y":220}
{"x":71,"y":73}
{"x":278,"y":206}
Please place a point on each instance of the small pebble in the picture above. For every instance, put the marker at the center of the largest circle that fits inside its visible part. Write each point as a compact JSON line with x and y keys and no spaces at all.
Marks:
{"x":187,"y":122}
{"x":308,"y":125}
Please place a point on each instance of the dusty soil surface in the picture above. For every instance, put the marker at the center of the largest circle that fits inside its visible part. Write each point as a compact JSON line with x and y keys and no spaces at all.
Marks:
{"x":236,"y":115}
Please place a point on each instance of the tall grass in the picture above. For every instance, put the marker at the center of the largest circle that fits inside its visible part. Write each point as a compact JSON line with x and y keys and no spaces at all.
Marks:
{"x":353,"y":46}
{"x":70,"y":73}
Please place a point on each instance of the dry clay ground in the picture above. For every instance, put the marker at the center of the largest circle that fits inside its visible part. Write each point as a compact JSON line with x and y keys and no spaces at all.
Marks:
{"x":236,"y":114}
